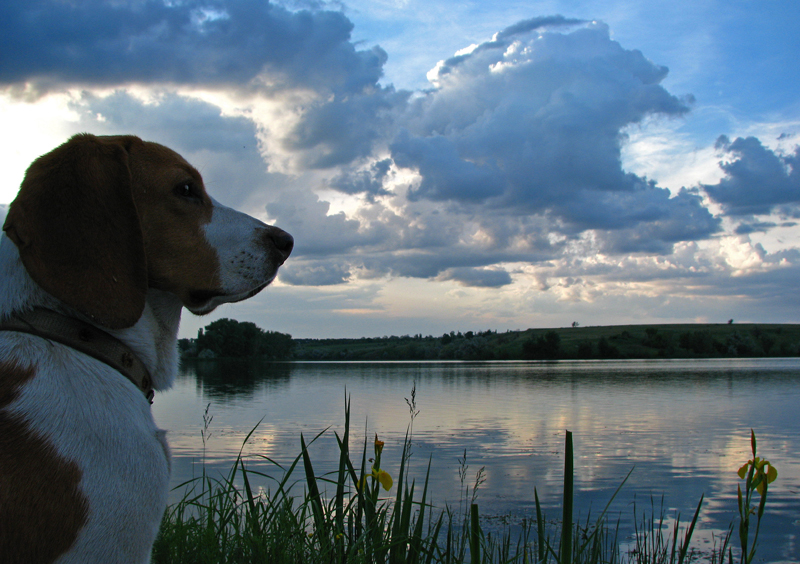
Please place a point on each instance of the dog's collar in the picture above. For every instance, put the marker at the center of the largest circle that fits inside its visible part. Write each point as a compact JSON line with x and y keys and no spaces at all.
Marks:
{"x":85,"y":338}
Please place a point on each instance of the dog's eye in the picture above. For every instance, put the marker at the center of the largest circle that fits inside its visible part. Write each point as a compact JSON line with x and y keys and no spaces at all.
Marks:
{"x":187,"y":190}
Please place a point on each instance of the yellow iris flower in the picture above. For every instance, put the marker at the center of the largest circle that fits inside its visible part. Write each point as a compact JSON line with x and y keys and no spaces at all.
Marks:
{"x":760,"y":476}
{"x":382,"y":476}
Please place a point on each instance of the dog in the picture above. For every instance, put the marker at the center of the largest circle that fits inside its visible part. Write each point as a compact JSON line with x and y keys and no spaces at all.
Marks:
{"x":107,"y":240}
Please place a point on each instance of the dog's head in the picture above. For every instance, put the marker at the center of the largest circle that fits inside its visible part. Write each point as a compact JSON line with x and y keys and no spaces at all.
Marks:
{"x":99,"y":220}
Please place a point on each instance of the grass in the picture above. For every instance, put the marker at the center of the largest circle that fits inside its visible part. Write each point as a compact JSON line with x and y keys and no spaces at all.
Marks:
{"x":348,"y":517}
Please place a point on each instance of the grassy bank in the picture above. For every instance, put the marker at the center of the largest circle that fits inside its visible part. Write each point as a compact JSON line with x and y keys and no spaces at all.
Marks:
{"x":360,"y":514}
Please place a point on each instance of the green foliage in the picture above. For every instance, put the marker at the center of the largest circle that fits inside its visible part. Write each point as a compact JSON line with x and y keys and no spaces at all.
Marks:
{"x":547,"y":346}
{"x":699,"y":342}
{"x":606,"y":349}
{"x":231,"y":338}
{"x":585,"y":349}
{"x":656,"y":339}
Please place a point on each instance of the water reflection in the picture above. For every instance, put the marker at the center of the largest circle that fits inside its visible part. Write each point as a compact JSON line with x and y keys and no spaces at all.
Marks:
{"x":683,"y":425}
{"x":227,"y":378}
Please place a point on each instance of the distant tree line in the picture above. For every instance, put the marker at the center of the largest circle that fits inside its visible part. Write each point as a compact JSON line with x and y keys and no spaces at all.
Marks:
{"x":231,"y":338}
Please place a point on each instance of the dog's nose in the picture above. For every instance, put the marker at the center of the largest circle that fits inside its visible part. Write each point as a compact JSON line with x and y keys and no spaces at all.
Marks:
{"x":283,"y":242}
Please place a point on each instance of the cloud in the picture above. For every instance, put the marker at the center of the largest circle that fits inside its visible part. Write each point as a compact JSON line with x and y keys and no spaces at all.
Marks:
{"x":368,"y":181}
{"x":340,"y":129}
{"x":658,"y":222}
{"x":512,"y":161}
{"x":303,"y":60}
{"x":477,"y":277}
{"x":321,"y":234}
{"x":445,"y":175}
{"x":318,"y":273}
{"x":213,"y":43}
{"x":754,"y":227}
{"x":531,"y":123}
{"x":223,"y":147}
{"x":757,"y":181}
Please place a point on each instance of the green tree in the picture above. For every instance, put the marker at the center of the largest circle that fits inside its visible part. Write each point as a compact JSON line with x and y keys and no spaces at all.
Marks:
{"x":231,"y":338}
{"x":547,"y":346}
{"x":606,"y":349}
{"x":700,"y":342}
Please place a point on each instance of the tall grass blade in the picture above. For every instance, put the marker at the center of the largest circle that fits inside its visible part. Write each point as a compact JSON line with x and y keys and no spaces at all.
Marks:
{"x":565,"y":549}
{"x":397,"y":550}
{"x":344,"y":457}
{"x":475,"y":535}
{"x":415,"y":543}
{"x":689,"y":532}
{"x":315,"y":500}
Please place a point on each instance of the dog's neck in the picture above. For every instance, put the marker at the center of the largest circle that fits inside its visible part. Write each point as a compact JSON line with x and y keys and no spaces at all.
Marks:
{"x":152,"y":338}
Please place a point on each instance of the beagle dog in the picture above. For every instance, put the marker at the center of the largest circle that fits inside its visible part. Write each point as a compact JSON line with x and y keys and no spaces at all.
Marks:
{"x":107,"y":240}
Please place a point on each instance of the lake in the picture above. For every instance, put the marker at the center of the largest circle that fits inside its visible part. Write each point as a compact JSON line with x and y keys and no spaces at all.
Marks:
{"x":683,"y":426}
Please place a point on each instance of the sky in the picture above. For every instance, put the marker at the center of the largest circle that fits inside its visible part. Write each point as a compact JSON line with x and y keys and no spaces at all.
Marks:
{"x":452,"y":165}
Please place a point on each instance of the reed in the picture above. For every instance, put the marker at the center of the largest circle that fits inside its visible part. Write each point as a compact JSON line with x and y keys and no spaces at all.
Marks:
{"x":296,"y":521}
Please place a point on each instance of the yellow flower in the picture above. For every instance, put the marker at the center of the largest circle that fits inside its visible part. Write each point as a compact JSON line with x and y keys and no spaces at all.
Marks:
{"x":378,"y":445}
{"x":382,"y":476}
{"x":760,"y":476}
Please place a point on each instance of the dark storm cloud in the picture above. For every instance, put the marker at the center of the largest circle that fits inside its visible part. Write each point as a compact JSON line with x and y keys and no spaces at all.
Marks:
{"x":515,"y":152}
{"x":757,"y":181}
{"x":95,"y":42}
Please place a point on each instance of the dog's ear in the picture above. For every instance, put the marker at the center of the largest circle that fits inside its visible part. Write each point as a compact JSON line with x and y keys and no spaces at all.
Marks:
{"x":75,"y":224}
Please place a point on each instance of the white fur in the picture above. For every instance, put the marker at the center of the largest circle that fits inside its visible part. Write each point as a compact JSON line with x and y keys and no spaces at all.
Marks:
{"x":94,"y":416}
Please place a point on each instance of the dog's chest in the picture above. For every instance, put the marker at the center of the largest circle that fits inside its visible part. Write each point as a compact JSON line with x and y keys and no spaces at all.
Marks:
{"x":81,"y":451}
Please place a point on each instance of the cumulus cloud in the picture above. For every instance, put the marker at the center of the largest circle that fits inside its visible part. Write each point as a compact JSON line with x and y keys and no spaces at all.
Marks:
{"x":508,"y":170}
{"x":304,"y":60}
{"x":340,"y":129}
{"x":514,"y":155}
{"x":369,"y":181}
{"x":324,"y":234}
{"x":758,"y":181}
{"x":223,"y":147}
{"x":234,"y":43}
{"x":532,"y":122}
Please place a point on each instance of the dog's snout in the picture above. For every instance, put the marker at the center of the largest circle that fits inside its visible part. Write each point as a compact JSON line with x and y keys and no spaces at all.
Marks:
{"x":283,"y":242}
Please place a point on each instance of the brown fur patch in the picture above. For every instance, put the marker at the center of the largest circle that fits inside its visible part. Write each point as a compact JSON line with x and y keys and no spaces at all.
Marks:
{"x":75,"y":224}
{"x":41,"y":508}
{"x":179,"y":258}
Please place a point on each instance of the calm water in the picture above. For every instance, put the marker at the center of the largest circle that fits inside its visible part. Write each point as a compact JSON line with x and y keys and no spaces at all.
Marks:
{"x":684,"y":427}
